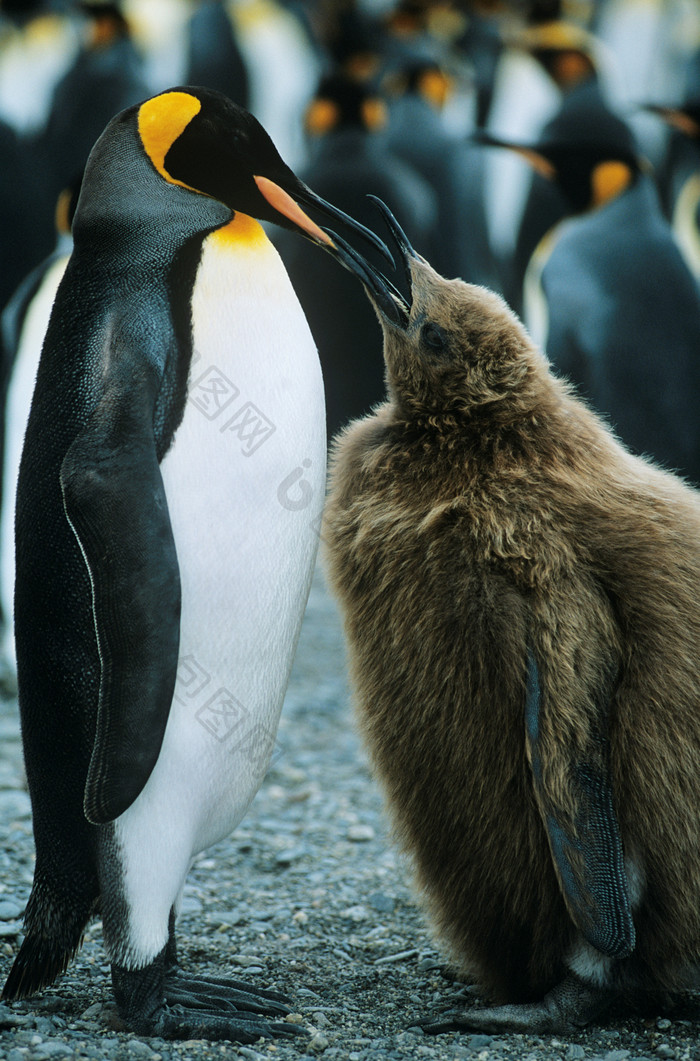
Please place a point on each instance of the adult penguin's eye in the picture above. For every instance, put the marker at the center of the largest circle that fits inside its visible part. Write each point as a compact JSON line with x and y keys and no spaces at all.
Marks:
{"x":434,"y":337}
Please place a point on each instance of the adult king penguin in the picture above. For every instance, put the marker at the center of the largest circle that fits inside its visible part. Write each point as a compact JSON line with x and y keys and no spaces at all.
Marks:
{"x":625,"y":333}
{"x":161,"y":579}
{"x":680,"y":176}
{"x":520,"y":596}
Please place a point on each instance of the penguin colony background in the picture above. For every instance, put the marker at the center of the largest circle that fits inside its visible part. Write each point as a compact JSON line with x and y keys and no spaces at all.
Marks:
{"x":520,"y":560}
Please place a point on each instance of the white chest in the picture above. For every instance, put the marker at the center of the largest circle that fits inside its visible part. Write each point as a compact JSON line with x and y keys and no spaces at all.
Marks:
{"x":244,"y":480}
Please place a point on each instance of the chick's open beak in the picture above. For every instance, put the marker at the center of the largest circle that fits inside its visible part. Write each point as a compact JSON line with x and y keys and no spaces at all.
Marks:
{"x":383,"y":292}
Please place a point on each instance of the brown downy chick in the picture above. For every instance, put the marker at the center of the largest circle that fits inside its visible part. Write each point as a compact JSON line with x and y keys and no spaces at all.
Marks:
{"x":520,"y":598}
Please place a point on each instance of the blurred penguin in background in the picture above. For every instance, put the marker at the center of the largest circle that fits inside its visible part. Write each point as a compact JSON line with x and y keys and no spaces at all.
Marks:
{"x":106,"y":77}
{"x":214,"y":57}
{"x":649,"y":44}
{"x":417,"y":29}
{"x":418,"y":92}
{"x":352,"y":40}
{"x":23,"y":241}
{"x":349,"y":158}
{"x":608,"y":293}
{"x":568,"y":54}
{"x":481,"y":44}
{"x":283,"y":65}
{"x":23,"y":326}
{"x":38,"y":42}
{"x":680,"y":176}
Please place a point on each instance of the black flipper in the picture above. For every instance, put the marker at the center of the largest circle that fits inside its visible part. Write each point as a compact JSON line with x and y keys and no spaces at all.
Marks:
{"x":587,"y":850}
{"x":115,"y":502}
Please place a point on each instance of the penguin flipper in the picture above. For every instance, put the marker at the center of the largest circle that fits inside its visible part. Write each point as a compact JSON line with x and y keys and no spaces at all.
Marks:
{"x":115,"y":503}
{"x":587,"y":846}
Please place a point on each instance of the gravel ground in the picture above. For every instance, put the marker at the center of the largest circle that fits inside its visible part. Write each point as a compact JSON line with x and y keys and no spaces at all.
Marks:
{"x":308,"y":896}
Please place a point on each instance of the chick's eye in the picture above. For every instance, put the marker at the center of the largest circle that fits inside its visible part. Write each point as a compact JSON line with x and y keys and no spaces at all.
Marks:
{"x":433,"y":336}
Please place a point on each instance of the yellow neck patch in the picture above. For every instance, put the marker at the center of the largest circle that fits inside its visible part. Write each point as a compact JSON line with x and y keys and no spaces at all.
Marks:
{"x":161,"y":120}
{"x":241,"y":232}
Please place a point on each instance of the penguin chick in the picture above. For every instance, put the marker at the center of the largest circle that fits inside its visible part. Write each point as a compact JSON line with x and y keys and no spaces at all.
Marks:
{"x":161,"y":576}
{"x":520,"y":599}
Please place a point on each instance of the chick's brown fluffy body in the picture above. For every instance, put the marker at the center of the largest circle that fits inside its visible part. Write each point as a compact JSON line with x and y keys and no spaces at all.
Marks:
{"x":482,"y":510}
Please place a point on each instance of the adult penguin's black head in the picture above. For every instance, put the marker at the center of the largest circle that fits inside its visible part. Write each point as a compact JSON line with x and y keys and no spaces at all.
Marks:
{"x":587,"y":150}
{"x":199,"y":139}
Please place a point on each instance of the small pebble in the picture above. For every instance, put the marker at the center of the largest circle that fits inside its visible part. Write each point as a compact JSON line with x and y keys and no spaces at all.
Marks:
{"x":10,"y":1019}
{"x":137,"y":1048}
{"x":9,"y":910}
{"x":665,"y":1051}
{"x":663,"y":1024}
{"x":318,"y":1043}
{"x":384,"y":904}
{"x":479,"y":1042}
{"x":574,"y":1052}
{"x":360,"y":833}
{"x":52,"y":1049}
{"x":401,"y":956}
{"x":230,"y":917}
{"x":15,"y":805}
{"x":45,"y":1026}
{"x":293,"y":854}
{"x":191,"y":904}
{"x":9,"y":929}
{"x":355,"y":913}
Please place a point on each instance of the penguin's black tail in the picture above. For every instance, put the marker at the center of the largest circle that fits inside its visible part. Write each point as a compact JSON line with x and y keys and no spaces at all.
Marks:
{"x":37,"y":965}
{"x":53,"y":937}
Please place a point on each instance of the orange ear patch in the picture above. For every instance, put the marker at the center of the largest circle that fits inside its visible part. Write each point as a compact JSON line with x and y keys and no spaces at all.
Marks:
{"x":161,"y":120}
{"x":608,"y":180}
{"x":322,"y":115}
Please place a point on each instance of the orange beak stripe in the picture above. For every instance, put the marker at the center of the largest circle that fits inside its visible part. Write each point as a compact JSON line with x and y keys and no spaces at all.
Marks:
{"x":283,"y":203}
{"x":538,"y":162}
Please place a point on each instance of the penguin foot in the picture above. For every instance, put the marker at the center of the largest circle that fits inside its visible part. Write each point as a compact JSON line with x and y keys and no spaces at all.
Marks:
{"x":176,"y":1022}
{"x":172,"y":1005}
{"x":222,"y":994}
{"x":568,"y":1007}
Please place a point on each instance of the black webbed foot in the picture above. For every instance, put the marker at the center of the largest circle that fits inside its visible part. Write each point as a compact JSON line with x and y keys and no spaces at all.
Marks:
{"x":223,"y":995}
{"x":177,"y":981}
{"x":568,"y":1007}
{"x":161,"y":1000}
